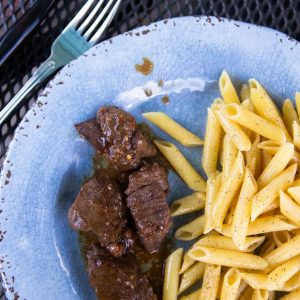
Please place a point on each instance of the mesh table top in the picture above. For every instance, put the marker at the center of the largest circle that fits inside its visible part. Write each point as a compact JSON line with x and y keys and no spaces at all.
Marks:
{"x":283,"y":15}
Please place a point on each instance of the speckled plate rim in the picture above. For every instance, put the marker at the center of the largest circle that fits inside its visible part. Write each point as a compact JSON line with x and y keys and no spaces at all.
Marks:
{"x":14,"y":284}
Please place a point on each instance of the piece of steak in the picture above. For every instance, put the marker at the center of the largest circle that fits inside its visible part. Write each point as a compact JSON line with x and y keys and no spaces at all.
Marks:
{"x":147,"y":193}
{"x":115,"y":135}
{"x":117,"y":278}
{"x":100,"y":208}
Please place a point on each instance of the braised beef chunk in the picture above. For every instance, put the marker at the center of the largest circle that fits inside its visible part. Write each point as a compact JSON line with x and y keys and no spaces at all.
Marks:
{"x":126,"y":146}
{"x":90,"y":130}
{"x":99,"y":207}
{"x":117,"y":278}
{"x":147,"y":192}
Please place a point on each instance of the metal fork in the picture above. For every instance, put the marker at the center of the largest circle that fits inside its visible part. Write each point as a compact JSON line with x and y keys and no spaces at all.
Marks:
{"x":71,"y":43}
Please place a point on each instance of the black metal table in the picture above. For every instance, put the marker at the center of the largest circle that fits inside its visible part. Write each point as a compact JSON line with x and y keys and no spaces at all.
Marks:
{"x":33,"y":46}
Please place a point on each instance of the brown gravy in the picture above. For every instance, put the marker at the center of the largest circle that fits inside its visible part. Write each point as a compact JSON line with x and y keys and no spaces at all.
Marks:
{"x":146,"y":67}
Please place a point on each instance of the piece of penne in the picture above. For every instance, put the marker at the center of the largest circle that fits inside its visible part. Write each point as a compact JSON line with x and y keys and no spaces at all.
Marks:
{"x":211,"y":144}
{"x":291,"y":285}
{"x":187,"y":262}
{"x":255,"y":280}
{"x":297,"y":100}
{"x":277,"y":164}
{"x":284,"y":252}
{"x":211,"y":282}
{"x":227,"y":89}
{"x":227,"y":191}
{"x":181,"y":166}
{"x":171,"y":276}
{"x":228,"y":258}
{"x":242,"y":214}
{"x":264,"y":225}
{"x":191,"y":276}
{"x":254,"y":122}
{"x":296,"y":135}
{"x":289,"y":115}
{"x":213,"y":187}
{"x":172,"y":128}
{"x":289,"y":208}
{"x":231,"y":284}
{"x":269,"y":193}
{"x":265,"y":158}
{"x":231,"y":211}
{"x":253,"y":156}
{"x":234,"y":131}
{"x":192,"y":296}
{"x":281,"y":237}
{"x":269,"y":210}
{"x":283,"y":273}
{"x":224,"y":242}
{"x":264,"y":106}
{"x":247,"y":294}
{"x":294,"y":192}
{"x":245,"y":92}
{"x":188,"y":204}
{"x":261,"y":295}
{"x":229,"y":155}
{"x":191,"y":230}
{"x":242,"y":288}
{"x":293,"y":295}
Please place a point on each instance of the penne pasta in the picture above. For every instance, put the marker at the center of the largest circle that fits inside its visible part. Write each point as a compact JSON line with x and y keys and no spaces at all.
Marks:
{"x":261,"y":295}
{"x":296,"y":135}
{"x":268,"y":246}
{"x":231,"y":284}
{"x":191,"y":230}
{"x":228,"y":190}
{"x":293,"y":295}
{"x":228,"y":258}
{"x":277,"y":164}
{"x":227,"y":89}
{"x":171,"y":276}
{"x":255,"y":280}
{"x":264,"y":225}
{"x":181,"y":165}
{"x":223,"y":242}
{"x":253,"y":156}
{"x":192,"y":296}
{"x":234,"y":131}
{"x":289,"y":208}
{"x":284,"y":252}
{"x":188,"y":204}
{"x":283,"y":273}
{"x":254,"y":122}
{"x":265,"y":107}
{"x":211,"y":282}
{"x":269,"y":210}
{"x":281,"y":237}
{"x":269,"y":193}
{"x":231,"y":211}
{"x":186,"y":263}
{"x":297,"y":100}
{"x":294,"y":192}
{"x":229,"y":155}
{"x":242,"y":214}
{"x":289,"y":115}
{"x":213,"y":186}
{"x":211,"y":144}
{"x":266,"y":157}
{"x":191,"y":276}
{"x":172,"y":128}
{"x":245,"y":93}
{"x":291,"y":285}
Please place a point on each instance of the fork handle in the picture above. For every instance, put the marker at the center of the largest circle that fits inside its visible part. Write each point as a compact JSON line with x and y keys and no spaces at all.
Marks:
{"x":44,"y":71}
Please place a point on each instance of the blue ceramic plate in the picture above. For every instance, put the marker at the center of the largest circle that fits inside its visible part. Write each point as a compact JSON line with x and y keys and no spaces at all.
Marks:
{"x":47,"y":161}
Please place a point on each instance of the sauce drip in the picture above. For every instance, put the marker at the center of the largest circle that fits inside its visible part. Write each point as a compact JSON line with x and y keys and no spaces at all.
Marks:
{"x":146,"y":67}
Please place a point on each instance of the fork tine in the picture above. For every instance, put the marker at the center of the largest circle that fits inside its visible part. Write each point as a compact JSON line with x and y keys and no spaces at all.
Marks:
{"x":100,"y":18}
{"x":80,"y":14}
{"x":90,"y":17}
{"x":105,"y":24}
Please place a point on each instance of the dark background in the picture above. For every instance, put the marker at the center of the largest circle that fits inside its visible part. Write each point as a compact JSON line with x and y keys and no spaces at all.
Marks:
{"x":283,"y":15}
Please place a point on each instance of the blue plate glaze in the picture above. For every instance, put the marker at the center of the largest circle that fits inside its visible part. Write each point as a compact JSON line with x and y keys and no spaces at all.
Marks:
{"x":47,"y":161}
